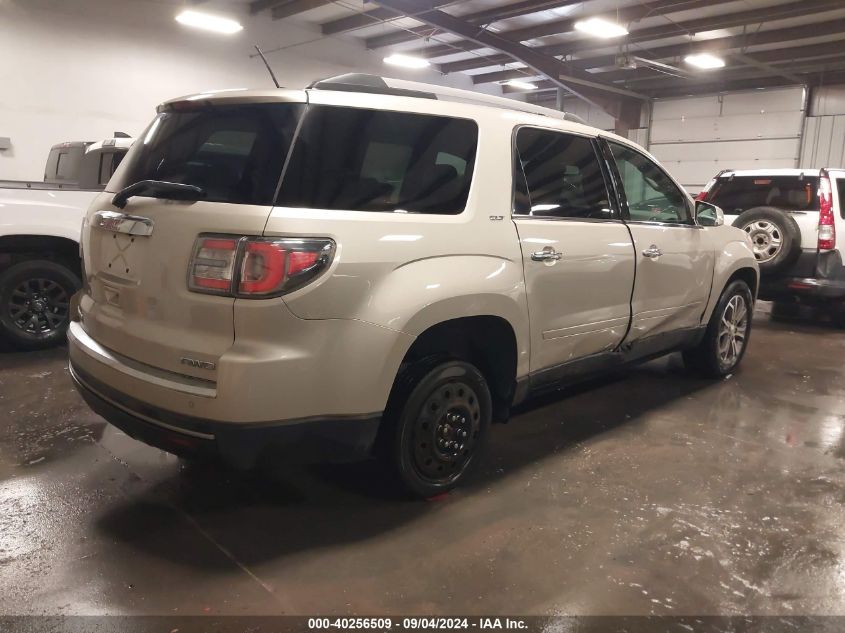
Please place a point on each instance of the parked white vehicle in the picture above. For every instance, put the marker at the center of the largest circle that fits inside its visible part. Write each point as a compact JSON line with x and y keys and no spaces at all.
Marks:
{"x":39,"y":239}
{"x":793,"y":217}
{"x":374,"y":266}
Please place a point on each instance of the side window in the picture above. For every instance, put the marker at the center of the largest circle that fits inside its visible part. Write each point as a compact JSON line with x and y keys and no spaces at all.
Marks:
{"x":651,"y":194}
{"x":558,"y":175}
{"x":64,"y":167}
{"x":108,"y":163}
{"x":355,"y":159}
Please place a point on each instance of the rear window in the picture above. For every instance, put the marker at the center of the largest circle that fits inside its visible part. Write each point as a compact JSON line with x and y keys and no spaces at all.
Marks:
{"x":234,"y":153}
{"x":63,"y":164}
{"x":373,"y":160}
{"x":735,"y":195}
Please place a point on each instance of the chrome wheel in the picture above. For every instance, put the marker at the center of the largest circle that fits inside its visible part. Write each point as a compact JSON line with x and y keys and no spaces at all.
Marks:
{"x":39,"y":306}
{"x":446,"y":432}
{"x":733,"y":330}
{"x":766,"y":239}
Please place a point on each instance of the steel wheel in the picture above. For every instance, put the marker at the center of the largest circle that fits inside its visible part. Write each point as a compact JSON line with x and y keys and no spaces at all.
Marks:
{"x":766,"y":239}
{"x":733,"y":328}
{"x":39,"y":306}
{"x":446,"y":432}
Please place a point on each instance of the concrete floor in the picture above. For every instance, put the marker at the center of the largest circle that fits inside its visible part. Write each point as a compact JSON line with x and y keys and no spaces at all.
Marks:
{"x":649,"y":493}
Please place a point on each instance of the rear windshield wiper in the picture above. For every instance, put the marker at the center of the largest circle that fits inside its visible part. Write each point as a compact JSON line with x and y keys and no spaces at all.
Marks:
{"x":174,"y":191}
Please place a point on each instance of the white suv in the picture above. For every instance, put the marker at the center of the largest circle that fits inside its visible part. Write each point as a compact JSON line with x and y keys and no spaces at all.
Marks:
{"x":792,"y":217}
{"x":371,"y":266}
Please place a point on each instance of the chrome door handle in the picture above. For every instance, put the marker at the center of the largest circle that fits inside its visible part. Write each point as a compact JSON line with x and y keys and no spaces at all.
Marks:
{"x":652,"y":252}
{"x":548,"y":254}
{"x":122,"y":223}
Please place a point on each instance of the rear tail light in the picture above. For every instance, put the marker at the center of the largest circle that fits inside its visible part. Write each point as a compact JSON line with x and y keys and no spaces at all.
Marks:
{"x":827,"y":227}
{"x":256,"y":267}
{"x":212,"y":265}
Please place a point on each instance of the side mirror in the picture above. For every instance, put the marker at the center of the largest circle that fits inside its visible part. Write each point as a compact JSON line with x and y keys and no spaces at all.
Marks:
{"x":707,"y":214}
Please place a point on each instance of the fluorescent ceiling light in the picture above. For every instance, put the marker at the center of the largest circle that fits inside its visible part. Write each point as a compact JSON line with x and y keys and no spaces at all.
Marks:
{"x":208,"y":22}
{"x":599,"y":27}
{"x":406,"y":61}
{"x":523,"y":85}
{"x":705,"y":60}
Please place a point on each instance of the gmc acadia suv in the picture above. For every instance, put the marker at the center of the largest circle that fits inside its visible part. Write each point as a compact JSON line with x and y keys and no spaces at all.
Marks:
{"x":377,"y":267}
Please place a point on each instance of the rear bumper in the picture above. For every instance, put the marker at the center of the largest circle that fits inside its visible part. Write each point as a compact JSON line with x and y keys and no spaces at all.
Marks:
{"x":805,"y":289}
{"x":814,"y":278}
{"x":334,"y":439}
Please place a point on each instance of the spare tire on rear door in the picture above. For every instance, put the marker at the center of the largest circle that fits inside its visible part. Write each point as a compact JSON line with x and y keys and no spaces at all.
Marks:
{"x":775,"y":237}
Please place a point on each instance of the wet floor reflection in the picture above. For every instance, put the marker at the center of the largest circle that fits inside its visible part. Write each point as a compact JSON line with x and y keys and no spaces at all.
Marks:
{"x":649,"y":491}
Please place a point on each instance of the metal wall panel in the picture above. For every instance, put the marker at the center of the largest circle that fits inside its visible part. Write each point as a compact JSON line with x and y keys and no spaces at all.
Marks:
{"x":827,"y":100}
{"x":639,"y":135}
{"x":824,"y":142}
{"x":592,"y":115}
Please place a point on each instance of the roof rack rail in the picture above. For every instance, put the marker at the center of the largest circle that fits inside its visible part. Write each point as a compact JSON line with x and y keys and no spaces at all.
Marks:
{"x":374,"y":84}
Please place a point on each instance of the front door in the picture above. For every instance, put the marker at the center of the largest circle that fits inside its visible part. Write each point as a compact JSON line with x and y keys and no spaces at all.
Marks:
{"x":577,"y":254}
{"x":674,"y":265}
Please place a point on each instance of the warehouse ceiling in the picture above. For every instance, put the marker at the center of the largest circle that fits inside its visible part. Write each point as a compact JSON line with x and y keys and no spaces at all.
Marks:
{"x":763,"y":43}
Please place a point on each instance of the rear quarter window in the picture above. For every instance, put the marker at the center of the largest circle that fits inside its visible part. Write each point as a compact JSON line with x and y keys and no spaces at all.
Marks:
{"x":374,"y":160}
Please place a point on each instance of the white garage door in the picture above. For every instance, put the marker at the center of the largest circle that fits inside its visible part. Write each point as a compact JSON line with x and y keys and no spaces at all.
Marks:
{"x":697,"y":137}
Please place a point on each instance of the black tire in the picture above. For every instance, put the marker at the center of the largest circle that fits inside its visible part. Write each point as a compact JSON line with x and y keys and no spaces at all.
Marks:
{"x":35,"y":303}
{"x":755,"y":221}
{"x":437,"y":422}
{"x":708,"y":357}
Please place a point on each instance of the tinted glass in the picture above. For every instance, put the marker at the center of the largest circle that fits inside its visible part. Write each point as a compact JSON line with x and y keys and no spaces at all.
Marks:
{"x":739,"y":193}
{"x":109,"y":162}
{"x":67,"y":166}
{"x":234,"y":153}
{"x":650,"y":193}
{"x":63,"y":166}
{"x":561,"y":176}
{"x":371,"y":160}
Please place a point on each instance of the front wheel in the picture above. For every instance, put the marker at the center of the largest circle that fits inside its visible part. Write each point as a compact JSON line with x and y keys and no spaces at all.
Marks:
{"x":439,"y":417}
{"x":727,"y":335}
{"x":35,"y":303}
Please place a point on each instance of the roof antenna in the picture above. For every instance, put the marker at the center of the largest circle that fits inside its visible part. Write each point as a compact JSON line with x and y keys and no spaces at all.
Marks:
{"x":269,"y":70}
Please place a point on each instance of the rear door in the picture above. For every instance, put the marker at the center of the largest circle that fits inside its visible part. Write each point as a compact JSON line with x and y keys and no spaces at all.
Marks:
{"x":137,"y":257}
{"x":674,"y":265}
{"x":577,"y":254}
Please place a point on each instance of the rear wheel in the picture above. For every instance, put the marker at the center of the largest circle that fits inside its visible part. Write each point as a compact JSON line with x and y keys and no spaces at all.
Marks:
{"x":726,"y":338}
{"x":35,"y":303}
{"x":775,"y":237}
{"x":439,"y":418}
